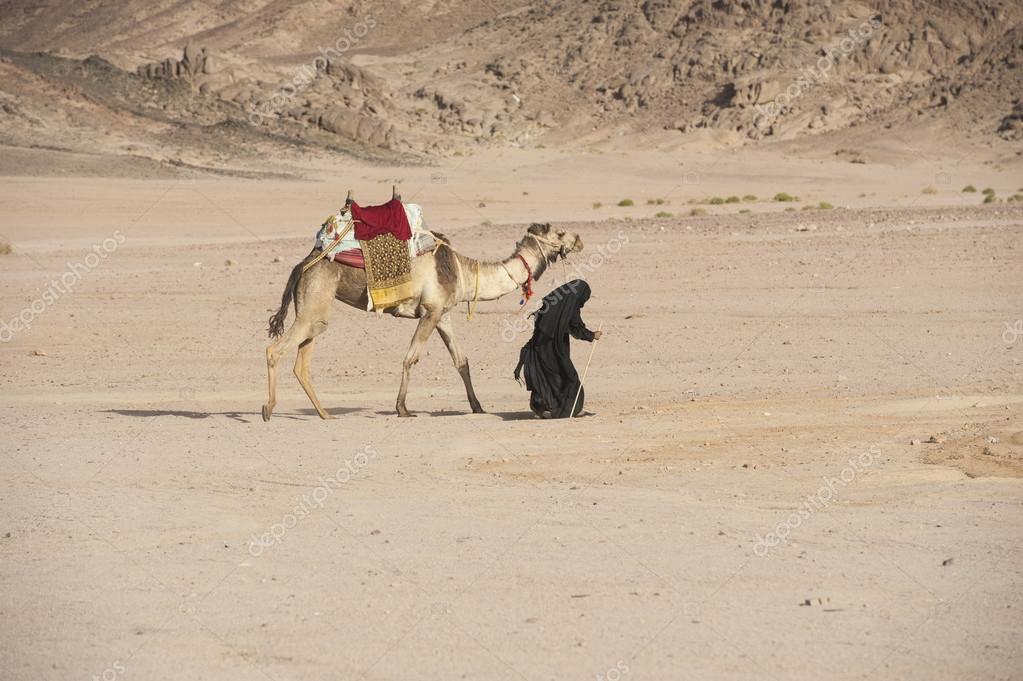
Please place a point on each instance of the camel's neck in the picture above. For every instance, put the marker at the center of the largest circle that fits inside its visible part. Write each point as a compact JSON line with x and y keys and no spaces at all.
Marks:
{"x":497,"y":279}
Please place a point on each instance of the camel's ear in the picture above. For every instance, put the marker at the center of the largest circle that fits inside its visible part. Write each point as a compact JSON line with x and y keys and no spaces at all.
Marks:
{"x":348,"y":199}
{"x":540,"y":229}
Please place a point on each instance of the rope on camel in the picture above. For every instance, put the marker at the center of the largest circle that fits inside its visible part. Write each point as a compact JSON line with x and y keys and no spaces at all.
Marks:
{"x":326,"y":250}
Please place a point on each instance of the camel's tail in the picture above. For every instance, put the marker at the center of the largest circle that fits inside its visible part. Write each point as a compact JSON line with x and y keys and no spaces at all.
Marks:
{"x":287,"y":298}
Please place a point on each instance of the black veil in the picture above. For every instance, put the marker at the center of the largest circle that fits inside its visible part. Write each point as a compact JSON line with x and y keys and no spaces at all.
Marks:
{"x":550,"y":375}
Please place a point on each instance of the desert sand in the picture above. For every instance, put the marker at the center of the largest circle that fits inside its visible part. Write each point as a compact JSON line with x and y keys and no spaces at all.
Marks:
{"x":802,"y":452}
{"x":748,"y":359}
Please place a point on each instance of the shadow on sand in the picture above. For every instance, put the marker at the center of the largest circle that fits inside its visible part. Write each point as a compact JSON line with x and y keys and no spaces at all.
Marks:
{"x":242,"y":416}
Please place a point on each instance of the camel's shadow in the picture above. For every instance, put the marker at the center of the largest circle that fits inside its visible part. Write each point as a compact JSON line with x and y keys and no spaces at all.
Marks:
{"x":241,"y":416}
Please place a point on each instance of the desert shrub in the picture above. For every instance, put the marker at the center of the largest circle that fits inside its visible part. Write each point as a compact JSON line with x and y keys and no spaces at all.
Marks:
{"x":969,"y":189}
{"x":824,"y":205}
{"x":782,"y":196}
{"x":990,"y":198}
{"x":626,"y":202}
{"x":733,"y":199}
{"x":749,"y":198}
{"x":745,"y":210}
{"x":989,"y":191}
{"x":928,"y":190}
{"x":663,"y":214}
{"x":597,"y":204}
{"x":716,"y":201}
{"x":790,"y":209}
{"x":1016,"y":197}
{"x":655,"y":202}
{"x":697,"y":212}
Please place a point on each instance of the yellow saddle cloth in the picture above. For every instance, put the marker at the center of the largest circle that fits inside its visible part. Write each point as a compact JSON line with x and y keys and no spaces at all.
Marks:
{"x":388,"y":270}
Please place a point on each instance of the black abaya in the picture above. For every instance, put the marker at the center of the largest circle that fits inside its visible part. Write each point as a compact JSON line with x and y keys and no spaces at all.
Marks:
{"x":551,"y":377}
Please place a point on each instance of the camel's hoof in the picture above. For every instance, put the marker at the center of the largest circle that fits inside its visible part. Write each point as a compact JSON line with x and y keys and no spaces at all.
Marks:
{"x":478,"y":410}
{"x":266,"y":413}
{"x":405,"y":414}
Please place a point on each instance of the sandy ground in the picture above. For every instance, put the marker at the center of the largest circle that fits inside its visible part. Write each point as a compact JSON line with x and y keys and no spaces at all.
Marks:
{"x":763,"y":375}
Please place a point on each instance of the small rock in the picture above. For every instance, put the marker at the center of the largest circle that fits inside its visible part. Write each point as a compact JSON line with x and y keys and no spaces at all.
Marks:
{"x":230,"y":262}
{"x":278,"y":258}
{"x":39,"y":353}
{"x":992,"y":439}
{"x":914,"y":443}
{"x":946,"y":562}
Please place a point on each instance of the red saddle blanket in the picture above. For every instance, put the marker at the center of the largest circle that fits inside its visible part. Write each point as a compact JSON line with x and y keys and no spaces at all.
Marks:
{"x":352,"y":258}
{"x":371,"y":221}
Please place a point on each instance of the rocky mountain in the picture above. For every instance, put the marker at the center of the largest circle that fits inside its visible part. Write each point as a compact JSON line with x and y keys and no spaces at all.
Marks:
{"x":402,"y":78}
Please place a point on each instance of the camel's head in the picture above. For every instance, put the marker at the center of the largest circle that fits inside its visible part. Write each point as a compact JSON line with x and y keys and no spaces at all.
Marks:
{"x":555,"y":242}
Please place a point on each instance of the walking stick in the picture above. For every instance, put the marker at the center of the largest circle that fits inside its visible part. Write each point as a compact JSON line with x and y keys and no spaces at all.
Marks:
{"x":578,"y":392}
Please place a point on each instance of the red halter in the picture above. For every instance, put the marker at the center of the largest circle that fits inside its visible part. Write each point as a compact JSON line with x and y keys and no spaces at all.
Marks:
{"x":527,"y":285}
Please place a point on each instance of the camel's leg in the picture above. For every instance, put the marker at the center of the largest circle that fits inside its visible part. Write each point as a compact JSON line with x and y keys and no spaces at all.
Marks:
{"x":427,"y":323}
{"x":445,"y":328}
{"x":302,"y":362}
{"x":280,"y":347}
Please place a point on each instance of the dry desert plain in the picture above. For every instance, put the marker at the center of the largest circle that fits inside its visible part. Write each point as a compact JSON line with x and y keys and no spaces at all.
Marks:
{"x":802,"y":456}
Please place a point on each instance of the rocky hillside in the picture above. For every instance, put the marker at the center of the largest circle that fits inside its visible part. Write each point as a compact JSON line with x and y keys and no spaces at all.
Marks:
{"x":414,"y":78}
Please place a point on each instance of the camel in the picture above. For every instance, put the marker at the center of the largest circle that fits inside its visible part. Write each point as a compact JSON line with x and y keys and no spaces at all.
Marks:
{"x":441,"y":280}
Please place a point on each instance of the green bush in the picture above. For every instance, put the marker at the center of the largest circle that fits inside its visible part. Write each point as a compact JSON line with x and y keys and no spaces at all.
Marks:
{"x":626,"y":202}
{"x":655,"y":202}
{"x":697,"y":212}
{"x":990,"y":198}
{"x":989,"y":191}
{"x":749,"y":198}
{"x":969,"y":189}
{"x":782,"y":196}
{"x":716,"y":201}
{"x":733,"y":199}
{"x":663,"y":214}
{"x":824,"y":205}
{"x":597,"y":204}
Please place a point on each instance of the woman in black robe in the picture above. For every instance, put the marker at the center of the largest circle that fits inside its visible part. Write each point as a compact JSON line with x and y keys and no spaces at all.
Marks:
{"x":551,"y":377}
